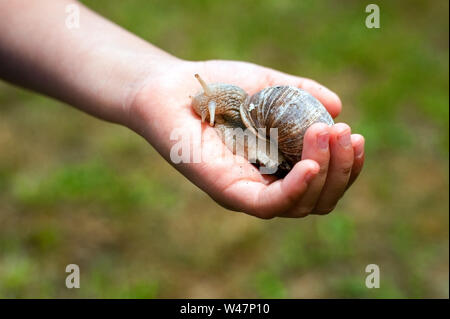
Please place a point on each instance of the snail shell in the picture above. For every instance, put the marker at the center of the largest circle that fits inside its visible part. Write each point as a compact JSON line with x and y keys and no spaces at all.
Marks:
{"x":288,"y":109}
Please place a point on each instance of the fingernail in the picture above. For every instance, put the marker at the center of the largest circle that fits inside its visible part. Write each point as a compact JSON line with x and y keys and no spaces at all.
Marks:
{"x":359,"y":150}
{"x":344,"y":139}
{"x":322,"y":141}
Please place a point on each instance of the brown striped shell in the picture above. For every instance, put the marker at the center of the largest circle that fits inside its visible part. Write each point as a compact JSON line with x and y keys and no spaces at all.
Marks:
{"x":291,"y":110}
{"x":288,"y":109}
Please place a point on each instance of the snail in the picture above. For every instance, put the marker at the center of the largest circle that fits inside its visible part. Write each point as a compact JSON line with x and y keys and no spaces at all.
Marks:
{"x":233,"y":114}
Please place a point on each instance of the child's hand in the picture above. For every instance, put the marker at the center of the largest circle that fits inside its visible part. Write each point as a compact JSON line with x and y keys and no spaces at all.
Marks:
{"x":332,"y":157}
{"x":108,"y":72}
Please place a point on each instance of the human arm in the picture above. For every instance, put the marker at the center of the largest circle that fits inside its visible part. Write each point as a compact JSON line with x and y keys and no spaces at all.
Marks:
{"x":114,"y":75}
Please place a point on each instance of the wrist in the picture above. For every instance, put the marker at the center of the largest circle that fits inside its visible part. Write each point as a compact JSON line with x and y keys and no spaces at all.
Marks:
{"x":135,"y":75}
{"x":146,"y":91}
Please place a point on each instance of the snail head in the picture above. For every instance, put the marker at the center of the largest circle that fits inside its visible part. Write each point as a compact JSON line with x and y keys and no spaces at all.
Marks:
{"x":218,"y":102}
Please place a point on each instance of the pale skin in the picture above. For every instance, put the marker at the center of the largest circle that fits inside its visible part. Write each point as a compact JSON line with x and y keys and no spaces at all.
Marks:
{"x":110,"y":73}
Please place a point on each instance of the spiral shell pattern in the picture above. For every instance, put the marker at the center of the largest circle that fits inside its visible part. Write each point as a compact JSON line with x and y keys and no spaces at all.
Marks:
{"x":289,"y":109}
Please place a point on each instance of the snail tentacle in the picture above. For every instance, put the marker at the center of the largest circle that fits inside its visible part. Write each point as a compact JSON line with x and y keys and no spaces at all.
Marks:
{"x":212,"y":111}
{"x":203,"y":84}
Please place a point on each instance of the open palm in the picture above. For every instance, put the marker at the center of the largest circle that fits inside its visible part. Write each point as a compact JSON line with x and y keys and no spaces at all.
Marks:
{"x":331,"y":159}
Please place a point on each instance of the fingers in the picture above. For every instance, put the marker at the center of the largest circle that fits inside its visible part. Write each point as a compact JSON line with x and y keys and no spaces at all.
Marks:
{"x":327,"y":97}
{"x":358,"y":162}
{"x":268,"y":201}
{"x":315,"y":147}
{"x":339,"y":170}
{"x":332,"y":159}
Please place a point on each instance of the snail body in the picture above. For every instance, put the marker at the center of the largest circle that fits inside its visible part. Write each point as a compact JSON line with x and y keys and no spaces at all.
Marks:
{"x":288,"y":109}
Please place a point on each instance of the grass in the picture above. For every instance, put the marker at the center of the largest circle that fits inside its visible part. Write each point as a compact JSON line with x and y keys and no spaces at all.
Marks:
{"x":77,"y":190}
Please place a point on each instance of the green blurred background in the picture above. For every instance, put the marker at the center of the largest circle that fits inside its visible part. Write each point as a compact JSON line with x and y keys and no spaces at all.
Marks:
{"x":77,"y":190}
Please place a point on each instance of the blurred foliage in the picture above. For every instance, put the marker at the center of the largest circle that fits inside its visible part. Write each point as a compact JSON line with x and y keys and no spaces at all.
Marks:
{"x":77,"y":190}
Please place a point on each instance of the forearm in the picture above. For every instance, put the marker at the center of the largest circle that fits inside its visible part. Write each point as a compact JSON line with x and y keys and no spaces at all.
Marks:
{"x":96,"y":67}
